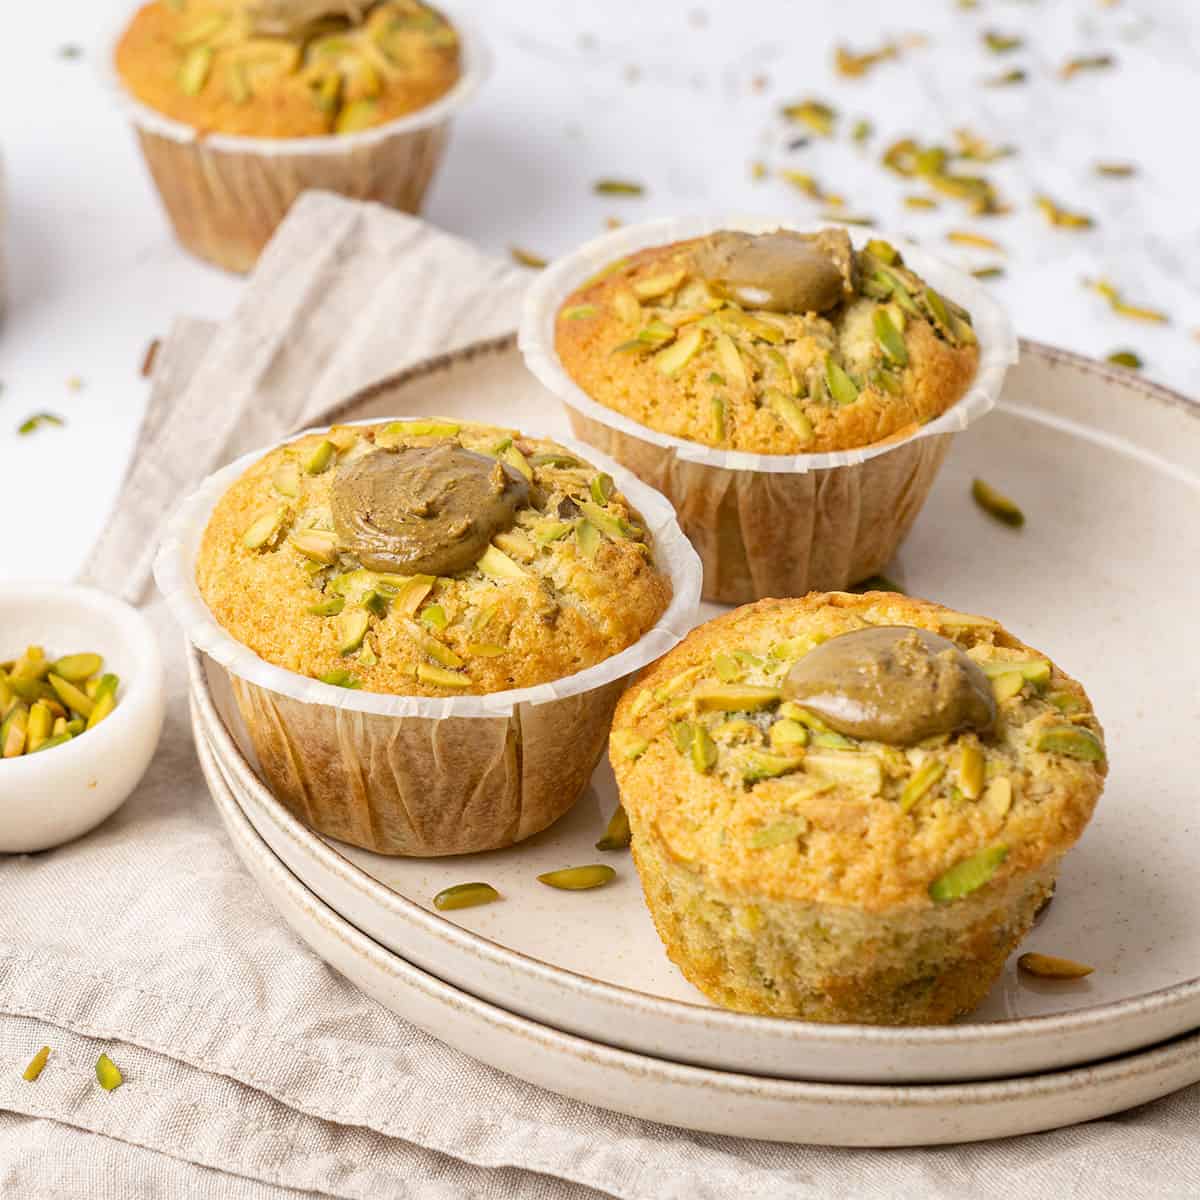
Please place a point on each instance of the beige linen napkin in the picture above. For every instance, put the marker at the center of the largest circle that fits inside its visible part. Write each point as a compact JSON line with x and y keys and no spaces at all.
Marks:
{"x":252,"y":1070}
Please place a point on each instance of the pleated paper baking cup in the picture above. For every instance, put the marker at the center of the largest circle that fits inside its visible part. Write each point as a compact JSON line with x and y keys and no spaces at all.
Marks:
{"x":764,"y":524}
{"x":418,"y":775}
{"x":226,"y":194}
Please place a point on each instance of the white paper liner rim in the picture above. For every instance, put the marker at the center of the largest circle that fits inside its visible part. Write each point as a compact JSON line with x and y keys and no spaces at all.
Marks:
{"x":998,"y":347}
{"x":175,"y":575}
{"x":476,"y":65}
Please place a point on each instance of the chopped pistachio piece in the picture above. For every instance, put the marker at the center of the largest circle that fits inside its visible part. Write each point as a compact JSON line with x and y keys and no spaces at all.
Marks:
{"x":316,"y":544}
{"x":968,"y":875}
{"x":607,"y":522}
{"x":351,"y":628}
{"x":617,"y":187}
{"x":193,"y":73}
{"x":588,"y":537}
{"x":71,"y":696}
{"x":433,"y":616}
{"x":842,"y":388}
{"x":972,"y":767}
{"x":13,"y":731}
{"x":1001,"y":43}
{"x":526,"y":258}
{"x":1125,"y":358}
{"x":1068,"y":702}
{"x":996,"y":504}
{"x":1007,"y":78}
{"x":681,"y":735}
{"x":890,"y":339}
{"x":1072,"y":740}
{"x":922,"y":782}
{"x":1061,"y":218}
{"x":778,"y":834}
{"x":859,"y":770}
{"x":617,"y":835}
{"x":815,"y":114}
{"x":629,"y":745}
{"x":440,"y":677}
{"x":579,"y":879}
{"x":1050,"y":966}
{"x":328,"y":608}
{"x":1032,"y":670}
{"x":1116,"y":170}
{"x":495,"y":564}
{"x":340,"y":678}
{"x":654,"y":286}
{"x":319,"y":458}
{"x":465,"y":895}
{"x":758,"y":764}
{"x":734,"y":697}
{"x":36,"y":1063}
{"x":675,"y":357}
{"x":1086,"y":62}
{"x":579,"y":312}
{"x":703,"y":750}
{"x":786,"y":735}
{"x":75,"y":668}
{"x":108,"y":1074}
{"x":265,"y":528}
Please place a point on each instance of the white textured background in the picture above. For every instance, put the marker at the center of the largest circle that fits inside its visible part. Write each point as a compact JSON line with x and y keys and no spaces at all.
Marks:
{"x":661,"y":92}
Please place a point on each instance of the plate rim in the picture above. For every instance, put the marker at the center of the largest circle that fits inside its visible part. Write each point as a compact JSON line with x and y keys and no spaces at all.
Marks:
{"x":718,"y":1020}
{"x":1124,"y":1066}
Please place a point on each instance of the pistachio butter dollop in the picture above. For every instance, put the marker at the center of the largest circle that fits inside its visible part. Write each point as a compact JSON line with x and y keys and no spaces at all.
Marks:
{"x":893,"y":684}
{"x":782,"y":272}
{"x":424,"y":510}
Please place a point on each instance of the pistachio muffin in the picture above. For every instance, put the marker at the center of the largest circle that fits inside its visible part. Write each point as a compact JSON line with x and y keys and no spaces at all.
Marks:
{"x":773,"y":343}
{"x":429,"y":558}
{"x":850,"y":808}
{"x":274,"y":69}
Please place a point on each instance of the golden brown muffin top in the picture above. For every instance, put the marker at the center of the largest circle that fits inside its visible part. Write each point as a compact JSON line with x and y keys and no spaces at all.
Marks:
{"x":776,"y":343}
{"x":259,"y":68}
{"x":567,"y":582}
{"x":765,"y":798}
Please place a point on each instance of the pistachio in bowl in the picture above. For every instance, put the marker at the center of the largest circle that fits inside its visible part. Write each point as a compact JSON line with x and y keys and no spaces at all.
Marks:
{"x":98,"y":707}
{"x":45,"y":703}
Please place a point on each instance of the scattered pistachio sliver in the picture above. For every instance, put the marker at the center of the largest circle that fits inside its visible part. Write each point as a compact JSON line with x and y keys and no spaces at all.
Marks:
{"x":579,"y":312}
{"x":108,"y":1074}
{"x":465,"y":895}
{"x":1000,"y":43}
{"x":36,"y":1063}
{"x":814,"y":114}
{"x":1050,"y":966}
{"x":1007,"y":78}
{"x":1086,"y":62}
{"x":1008,"y":685}
{"x":1072,"y":740}
{"x":617,"y":835}
{"x":617,"y":187}
{"x":989,"y":272}
{"x":972,"y":766}
{"x":853,"y":66}
{"x":1061,"y":218}
{"x":193,"y":73}
{"x":964,"y":237}
{"x":440,"y":677}
{"x":920,"y":202}
{"x":526,"y":258}
{"x":791,"y":414}
{"x":734,"y":697}
{"x":968,"y":875}
{"x":758,"y":765}
{"x":351,"y":628}
{"x":996,"y":504}
{"x":703,"y":750}
{"x":1115,"y":170}
{"x":588,"y":537}
{"x":265,"y":528}
{"x":579,"y":879}
{"x":1134,"y":312}
{"x":861,"y":130}
{"x":1125,"y":358}
{"x":37,"y":421}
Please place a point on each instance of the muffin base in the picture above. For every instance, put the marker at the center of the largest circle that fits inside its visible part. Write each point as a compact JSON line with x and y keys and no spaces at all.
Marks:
{"x":823,"y":963}
{"x":421,"y":787}
{"x":762,"y":533}
{"x":224,"y":204}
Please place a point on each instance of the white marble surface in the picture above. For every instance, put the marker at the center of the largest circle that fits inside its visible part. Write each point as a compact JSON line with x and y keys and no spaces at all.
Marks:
{"x":663,"y":93}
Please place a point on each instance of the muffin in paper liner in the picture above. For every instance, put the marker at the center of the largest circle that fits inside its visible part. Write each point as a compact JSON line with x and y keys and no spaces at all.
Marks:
{"x":424,"y":776}
{"x":771,"y":525}
{"x":802,"y":872}
{"x":225,"y":194}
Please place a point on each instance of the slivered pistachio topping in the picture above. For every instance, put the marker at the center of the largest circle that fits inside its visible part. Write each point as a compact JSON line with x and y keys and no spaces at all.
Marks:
{"x":1001,"y":43}
{"x":815,"y":115}
{"x":1086,"y":62}
{"x":617,"y":187}
{"x":617,"y":835}
{"x":1061,"y":218}
{"x":1074,"y":741}
{"x":36,"y":1064}
{"x":781,"y":833}
{"x":108,"y":1074}
{"x":967,"y":876}
{"x":1007,"y":78}
{"x":526,"y":258}
{"x":1129,"y":359}
{"x":842,"y":388}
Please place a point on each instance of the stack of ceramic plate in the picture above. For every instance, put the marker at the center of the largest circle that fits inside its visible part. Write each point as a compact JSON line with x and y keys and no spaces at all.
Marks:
{"x":574,"y":992}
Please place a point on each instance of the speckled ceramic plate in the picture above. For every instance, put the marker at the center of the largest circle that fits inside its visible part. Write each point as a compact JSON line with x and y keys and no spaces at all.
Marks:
{"x":1103,"y":577}
{"x":692,"y":1097}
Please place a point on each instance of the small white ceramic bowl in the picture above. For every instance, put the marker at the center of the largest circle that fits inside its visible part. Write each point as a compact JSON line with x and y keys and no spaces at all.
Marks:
{"x":49,"y":798}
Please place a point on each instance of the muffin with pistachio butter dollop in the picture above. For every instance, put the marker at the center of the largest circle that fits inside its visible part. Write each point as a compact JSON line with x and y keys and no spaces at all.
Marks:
{"x":850,"y":808}
{"x":428,"y":558}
